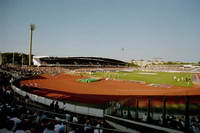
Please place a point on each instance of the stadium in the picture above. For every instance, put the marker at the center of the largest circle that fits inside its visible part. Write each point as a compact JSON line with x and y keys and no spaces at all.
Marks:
{"x":127,"y":99}
{"x":85,"y":66}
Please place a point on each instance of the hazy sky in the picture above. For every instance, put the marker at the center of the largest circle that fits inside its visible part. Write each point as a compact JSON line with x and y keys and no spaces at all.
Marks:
{"x":146,"y":29}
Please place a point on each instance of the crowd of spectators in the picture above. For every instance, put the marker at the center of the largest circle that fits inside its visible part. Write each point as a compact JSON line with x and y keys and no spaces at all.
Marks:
{"x":32,"y":70}
{"x":173,"y":121}
{"x":5,"y":90}
{"x":164,"y":68}
{"x":178,"y":122}
{"x":111,"y":69}
{"x":18,"y":118}
{"x":195,"y":124}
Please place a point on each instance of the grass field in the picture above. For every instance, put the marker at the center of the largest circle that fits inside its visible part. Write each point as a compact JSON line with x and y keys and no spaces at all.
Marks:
{"x":150,"y":77}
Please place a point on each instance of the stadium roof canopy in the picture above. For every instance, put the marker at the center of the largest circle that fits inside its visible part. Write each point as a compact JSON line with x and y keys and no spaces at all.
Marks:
{"x":76,"y":61}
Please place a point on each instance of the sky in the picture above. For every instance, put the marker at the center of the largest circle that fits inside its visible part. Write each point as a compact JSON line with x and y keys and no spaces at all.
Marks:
{"x":118,"y":29}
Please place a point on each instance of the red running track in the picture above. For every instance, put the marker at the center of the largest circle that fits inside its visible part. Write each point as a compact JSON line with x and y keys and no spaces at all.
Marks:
{"x":66,"y":86}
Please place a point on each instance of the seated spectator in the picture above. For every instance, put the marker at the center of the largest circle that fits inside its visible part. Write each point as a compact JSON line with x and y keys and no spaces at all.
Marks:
{"x":144,"y":117}
{"x":33,"y":128}
{"x":50,"y":128}
{"x":99,"y":125}
{"x":59,"y":127}
{"x":20,"y":128}
{"x":75,"y":119}
{"x":68,"y":117}
{"x":16,"y":120}
{"x":65,"y":106}
{"x":72,"y":130}
{"x":87,"y":126}
{"x":8,"y":127}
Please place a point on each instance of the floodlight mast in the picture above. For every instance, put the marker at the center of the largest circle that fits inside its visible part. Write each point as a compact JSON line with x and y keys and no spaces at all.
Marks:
{"x":32,"y":28}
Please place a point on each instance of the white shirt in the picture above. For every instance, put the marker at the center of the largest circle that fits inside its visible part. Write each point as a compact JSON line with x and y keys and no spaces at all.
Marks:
{"x":75,"y":119}
{"x":98,"y":130}
{"x":19,"y":131}
{"x":87,"y":126}
{"x":59,"y":127}
{"x":16,"y":122}
{"x":68,"y":116}
{"x":48,"y":131}
{"x":72,"y":131}
{"x":65,"y":107}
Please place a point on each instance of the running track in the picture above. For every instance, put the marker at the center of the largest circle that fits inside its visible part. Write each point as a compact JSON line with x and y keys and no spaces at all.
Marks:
{"x":66,"y":86}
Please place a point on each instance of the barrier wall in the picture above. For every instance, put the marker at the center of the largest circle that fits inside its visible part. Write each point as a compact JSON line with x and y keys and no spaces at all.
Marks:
{"x":69,"y":107}
{"x":135,"y":126}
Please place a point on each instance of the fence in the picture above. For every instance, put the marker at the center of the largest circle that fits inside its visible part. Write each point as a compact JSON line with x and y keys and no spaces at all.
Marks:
{"x":70,"y":107}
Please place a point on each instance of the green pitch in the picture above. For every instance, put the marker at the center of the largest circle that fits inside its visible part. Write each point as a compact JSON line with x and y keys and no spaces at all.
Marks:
{"x":176,"y":79}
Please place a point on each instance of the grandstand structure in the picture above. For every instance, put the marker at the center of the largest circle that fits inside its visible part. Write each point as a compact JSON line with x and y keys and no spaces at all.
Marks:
{"x":126,"y":105}
{"x":77,"y":61}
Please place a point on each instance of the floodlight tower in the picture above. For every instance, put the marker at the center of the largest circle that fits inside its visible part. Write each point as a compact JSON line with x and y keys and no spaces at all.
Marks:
{"x":1,"y":59}
{"x":13,"y":60}
{"x":22,"y":59}
{"x":32,"y":28}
